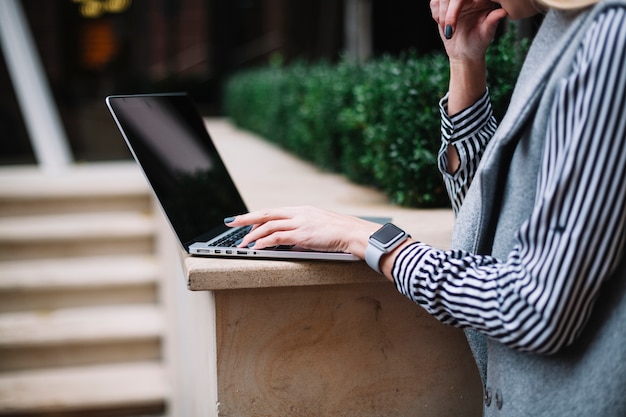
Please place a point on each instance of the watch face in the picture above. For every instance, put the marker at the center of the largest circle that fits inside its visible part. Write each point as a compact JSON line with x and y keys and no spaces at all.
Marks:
{"x":388,"y":234}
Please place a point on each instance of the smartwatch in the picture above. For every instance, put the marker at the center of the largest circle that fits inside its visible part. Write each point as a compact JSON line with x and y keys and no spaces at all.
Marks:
{"x":383,"y":241}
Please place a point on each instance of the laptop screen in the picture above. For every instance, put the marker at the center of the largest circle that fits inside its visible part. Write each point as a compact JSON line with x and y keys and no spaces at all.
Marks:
{"x":168,"y":138}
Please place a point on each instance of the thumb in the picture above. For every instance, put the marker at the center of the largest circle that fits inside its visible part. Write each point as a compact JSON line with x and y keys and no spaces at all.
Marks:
{"x":492,"y":21}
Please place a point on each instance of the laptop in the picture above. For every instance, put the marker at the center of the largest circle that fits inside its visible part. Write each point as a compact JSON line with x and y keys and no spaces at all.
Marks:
{"x":168,"y":138}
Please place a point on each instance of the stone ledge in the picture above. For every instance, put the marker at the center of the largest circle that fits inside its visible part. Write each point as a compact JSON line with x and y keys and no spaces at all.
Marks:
{"x":226,"y":274}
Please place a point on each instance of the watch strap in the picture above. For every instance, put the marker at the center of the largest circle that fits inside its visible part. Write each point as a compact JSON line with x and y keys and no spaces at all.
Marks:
{"x":376,"y":249}
{"x":372,"y":257}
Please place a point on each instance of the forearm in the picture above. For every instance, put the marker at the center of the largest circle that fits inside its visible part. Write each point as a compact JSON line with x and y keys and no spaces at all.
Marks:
{"x":468,"y":82}
{"x":468,"y":133}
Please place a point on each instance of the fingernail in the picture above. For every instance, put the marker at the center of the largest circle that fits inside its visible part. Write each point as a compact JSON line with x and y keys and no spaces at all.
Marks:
{"x":251,"y":245}
{"x":229,"y":220}
{"x":448,"y":32}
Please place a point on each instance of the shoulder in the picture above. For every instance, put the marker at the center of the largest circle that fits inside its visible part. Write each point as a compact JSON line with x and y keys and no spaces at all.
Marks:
{"x":604,"y":40}
{"x":608,"y":13}
{"x":607,"y":17}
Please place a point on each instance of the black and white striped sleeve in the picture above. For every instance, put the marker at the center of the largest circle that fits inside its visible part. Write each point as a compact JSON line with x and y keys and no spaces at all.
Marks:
{"x":540,"y":297}
{"x":469,"y":132}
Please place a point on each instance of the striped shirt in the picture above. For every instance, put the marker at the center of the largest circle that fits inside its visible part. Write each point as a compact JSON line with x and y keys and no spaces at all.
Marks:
{"x":539,"y":298}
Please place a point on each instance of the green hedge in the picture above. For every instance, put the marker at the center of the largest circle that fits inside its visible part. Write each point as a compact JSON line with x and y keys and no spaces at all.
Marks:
{"x":378,"y":123}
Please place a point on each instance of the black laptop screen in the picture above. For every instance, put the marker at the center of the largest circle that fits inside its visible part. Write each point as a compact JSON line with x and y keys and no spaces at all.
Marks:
{"x":169,"y":140}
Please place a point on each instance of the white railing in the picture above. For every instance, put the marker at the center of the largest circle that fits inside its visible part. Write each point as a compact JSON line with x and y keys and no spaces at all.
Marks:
{"x":31,"y":87}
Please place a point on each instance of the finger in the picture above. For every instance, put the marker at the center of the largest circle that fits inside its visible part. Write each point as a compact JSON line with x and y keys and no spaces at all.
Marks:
{"x":266,"y":232}
{"x":492,"y":21}
{"x":456,"y":9}
{"x":451,"y":15}
{"x":434,"y":10}
{"x":442,"y":12}
{"x":252,"y":218}
{"x":437,"y":11}
{"x":275,"y":239}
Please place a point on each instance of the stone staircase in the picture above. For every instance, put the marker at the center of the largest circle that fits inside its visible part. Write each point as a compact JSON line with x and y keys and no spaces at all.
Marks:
{"x":82,"y":316}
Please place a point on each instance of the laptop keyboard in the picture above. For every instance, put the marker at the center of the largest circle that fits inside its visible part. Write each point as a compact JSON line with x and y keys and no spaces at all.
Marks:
{"x":232,"y":239}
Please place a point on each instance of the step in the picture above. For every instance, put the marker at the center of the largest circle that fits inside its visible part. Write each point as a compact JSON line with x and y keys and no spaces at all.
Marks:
{"x":75,"y":226}
{"x":97,"y":272}
{"x":80,"y":336}
{"x":140,"y":385}
{"x":111,"y":324}
{"x":43,"y":284}
{"x":81,"y":188}
{"x":113,"y":178}
{"x":55,"y":356}
{"x":59,"y":204}
{"x":76,"y":234}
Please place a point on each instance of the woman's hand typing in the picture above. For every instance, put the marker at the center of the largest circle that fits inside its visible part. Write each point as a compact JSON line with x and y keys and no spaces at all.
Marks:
{"x":308,"y":227}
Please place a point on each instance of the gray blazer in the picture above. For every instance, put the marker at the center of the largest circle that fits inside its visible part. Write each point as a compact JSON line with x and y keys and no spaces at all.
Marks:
{"x":587,"y":378}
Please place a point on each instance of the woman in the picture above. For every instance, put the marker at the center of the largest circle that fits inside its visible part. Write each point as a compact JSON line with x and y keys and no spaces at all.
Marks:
{"x":537,"y":272}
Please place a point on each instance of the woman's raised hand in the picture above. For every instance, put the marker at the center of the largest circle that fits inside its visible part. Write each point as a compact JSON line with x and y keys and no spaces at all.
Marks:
{"x":466,"y":26}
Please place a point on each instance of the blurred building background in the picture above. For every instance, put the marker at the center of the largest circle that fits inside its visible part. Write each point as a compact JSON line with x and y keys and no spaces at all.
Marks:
{"x":93,"y":48}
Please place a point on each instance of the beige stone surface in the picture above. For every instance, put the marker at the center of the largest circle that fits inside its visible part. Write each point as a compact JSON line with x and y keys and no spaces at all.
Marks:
{"x":342,"y":350}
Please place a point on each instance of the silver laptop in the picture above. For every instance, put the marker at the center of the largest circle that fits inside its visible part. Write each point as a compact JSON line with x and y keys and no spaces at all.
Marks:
{"x":169,"y":140}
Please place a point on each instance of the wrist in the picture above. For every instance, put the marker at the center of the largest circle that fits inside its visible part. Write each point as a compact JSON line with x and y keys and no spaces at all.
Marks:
{"x":387,"y":261}
{"x":358,"y":243}
{"x":383,"y":242}
{"x":468,"y":82}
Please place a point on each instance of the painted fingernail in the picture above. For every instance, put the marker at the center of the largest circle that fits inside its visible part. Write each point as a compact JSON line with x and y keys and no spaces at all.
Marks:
{"x":251,"y":245}
{"x":229,"y":220}
{"x":448,"y":32}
